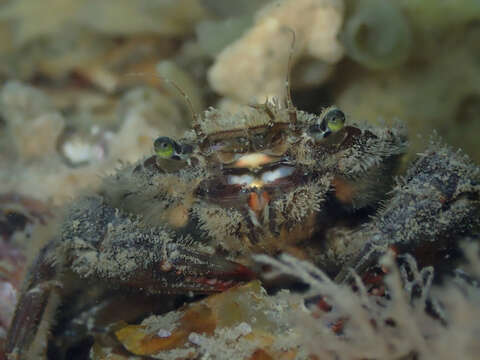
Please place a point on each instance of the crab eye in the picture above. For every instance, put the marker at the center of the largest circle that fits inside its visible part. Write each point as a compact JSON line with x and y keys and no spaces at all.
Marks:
{"x":164,"y":147}
{"x":334,"y":119}
{"x":331,"y":121}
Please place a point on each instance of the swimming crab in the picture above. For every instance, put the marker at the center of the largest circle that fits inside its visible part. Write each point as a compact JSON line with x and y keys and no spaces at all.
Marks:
{"x":269,"y":179}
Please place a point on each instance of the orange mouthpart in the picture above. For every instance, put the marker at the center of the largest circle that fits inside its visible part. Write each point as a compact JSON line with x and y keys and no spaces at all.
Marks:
{"x":258,"y":203}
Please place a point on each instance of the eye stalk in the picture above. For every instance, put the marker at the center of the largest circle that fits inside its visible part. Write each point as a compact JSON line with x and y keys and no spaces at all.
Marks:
{"x":334,"y":120}
{"x":331,"y":121}
{"x":166,"y":148}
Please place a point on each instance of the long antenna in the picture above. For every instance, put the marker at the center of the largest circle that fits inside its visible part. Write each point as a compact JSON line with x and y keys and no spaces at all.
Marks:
{"x":288,"y":95}
{"x":196,"y":123}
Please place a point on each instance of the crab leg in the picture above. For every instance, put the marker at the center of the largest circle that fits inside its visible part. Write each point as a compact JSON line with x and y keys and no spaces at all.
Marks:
{"x":204,"y":276}
{"x":31,"y":306}
{"x":438,"y":200}
{"x":102,"y":245}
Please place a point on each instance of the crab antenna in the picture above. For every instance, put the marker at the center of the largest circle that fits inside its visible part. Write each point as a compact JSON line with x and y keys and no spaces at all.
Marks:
{"x":196,"y":124}
{"x":288,"y":95}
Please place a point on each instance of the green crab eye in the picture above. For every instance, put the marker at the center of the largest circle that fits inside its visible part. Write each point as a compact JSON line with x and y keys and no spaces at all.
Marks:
{"x":331,"y":121}
{"x":164,"y":147}
{"x":335,"y":120}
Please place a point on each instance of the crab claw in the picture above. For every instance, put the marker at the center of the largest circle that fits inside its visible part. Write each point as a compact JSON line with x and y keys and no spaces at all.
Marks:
{"x":188,"y":270}
{"x":213,"y":273}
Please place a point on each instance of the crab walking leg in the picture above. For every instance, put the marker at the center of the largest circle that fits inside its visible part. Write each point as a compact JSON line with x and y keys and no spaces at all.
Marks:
{"x":32,"y":305}
{"x":100,"y":244}
{"x":437,"y":202}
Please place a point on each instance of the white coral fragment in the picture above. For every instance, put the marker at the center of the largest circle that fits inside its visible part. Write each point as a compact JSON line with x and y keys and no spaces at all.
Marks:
{"x":386,"y":328}
{"x":261,"y":55}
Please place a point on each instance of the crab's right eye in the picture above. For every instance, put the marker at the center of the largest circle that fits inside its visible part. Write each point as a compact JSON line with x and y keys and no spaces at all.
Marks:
{"x":335,"y":119}
{"x":164,"y":147}
{"x":331,"y":121}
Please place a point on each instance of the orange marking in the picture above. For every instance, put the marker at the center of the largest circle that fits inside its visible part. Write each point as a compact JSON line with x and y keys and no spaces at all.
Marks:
{"x":394,"y":250}
{"x":260,"y":354}
{"x":337,"y":326}
{"x":323,"y":305}
{"x":253,"y":201}
{"x":266,"y":197}
{"x":256,"y":203}
{"x":344,"y":191}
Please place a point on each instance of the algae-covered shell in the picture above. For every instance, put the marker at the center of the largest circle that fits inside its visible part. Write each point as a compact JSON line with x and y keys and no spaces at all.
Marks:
{"x":377,"y":34}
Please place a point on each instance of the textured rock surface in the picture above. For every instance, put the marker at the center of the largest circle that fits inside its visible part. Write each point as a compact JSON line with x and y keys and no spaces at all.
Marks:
{"x":255,"y":66}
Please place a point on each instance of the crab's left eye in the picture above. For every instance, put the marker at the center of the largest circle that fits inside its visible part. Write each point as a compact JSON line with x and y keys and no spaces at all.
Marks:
{"x":165,"y":147}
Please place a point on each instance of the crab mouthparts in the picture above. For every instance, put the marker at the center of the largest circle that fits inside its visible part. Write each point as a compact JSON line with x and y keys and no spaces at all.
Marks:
{"x":257,"y":180}
{"x":253,"y":181}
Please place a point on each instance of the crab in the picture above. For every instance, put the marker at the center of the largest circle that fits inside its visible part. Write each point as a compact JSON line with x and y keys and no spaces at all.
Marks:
{"x":269,"y":179}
